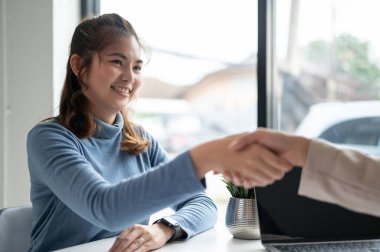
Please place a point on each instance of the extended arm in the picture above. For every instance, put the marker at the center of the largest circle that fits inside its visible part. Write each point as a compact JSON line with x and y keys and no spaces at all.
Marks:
{"x":55,"y":160}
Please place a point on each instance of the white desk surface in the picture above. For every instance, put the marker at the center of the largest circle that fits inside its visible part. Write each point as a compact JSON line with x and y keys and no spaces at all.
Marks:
{"x":215,"y":239}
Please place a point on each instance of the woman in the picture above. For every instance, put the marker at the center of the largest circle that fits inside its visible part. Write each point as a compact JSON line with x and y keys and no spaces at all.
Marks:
{"x":94,"y":173}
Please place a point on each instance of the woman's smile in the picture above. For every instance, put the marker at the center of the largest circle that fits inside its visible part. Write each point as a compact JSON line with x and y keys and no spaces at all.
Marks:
{"x":123,"y":91}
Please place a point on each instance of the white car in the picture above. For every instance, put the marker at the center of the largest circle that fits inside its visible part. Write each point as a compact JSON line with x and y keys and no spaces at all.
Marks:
{"x":353,"y":125}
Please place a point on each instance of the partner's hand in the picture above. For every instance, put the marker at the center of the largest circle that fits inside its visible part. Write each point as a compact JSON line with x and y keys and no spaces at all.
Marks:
{"x":254,"y":165}
{"x":290,"y":147}
{"x":141,"y":238}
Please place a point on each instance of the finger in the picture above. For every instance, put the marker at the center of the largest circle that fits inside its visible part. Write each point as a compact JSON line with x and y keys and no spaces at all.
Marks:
{"x":237,"y":179}
{"x":276,"y":161}
{"x":127,"y":240}
{"x":227,"y":175}
{"x":270,"y":173}
{"x":248,"y":183}
{"x":119,"y":239}
{"x":282,"y":164}
{"x":242,"y":141}
{"x":262,"y":178}
{"x":137,"y":245}
{"x":245,"y":182}
{"x":147,"y":246}
{"x":259,"y":173}
{"x":251,"y":183}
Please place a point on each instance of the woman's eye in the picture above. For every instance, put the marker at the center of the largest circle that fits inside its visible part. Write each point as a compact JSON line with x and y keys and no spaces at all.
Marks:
{"x":138,"y":68}
{"x":118,"y":62}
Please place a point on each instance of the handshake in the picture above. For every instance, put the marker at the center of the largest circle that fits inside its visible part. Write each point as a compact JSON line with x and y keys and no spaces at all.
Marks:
{"x":251,"y":159}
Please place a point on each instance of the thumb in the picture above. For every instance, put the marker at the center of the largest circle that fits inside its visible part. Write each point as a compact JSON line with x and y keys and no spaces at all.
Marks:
{"x":237,"y":144}
{"x":240,"y":142}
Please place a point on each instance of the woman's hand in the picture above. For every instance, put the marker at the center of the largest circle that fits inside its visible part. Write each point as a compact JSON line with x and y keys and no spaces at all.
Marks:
{"x":141,"y":238}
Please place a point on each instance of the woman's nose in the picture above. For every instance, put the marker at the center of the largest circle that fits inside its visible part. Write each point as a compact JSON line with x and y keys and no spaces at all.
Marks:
{"x":128,"y":75}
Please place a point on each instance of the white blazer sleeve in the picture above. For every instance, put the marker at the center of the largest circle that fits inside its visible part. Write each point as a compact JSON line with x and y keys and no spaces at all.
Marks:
{"x":343,"y":177}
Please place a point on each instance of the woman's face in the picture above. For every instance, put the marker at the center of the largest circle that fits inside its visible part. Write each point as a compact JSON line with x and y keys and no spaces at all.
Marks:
{"x":113,"y":78}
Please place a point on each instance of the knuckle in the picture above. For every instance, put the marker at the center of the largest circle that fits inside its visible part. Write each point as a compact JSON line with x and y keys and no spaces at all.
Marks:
{"x":282,"y":175}
{"x":266,"y":183}
{"x":146,"y":233}
{"x":144,"y":247}
{"x":279,"y":175}
{"x":121,"y":239}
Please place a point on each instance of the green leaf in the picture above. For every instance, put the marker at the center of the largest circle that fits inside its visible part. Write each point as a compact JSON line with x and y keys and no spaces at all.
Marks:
{"x":239,"y":191}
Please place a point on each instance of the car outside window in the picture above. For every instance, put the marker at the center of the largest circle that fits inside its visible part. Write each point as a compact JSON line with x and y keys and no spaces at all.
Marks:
{"x":362,"y":131}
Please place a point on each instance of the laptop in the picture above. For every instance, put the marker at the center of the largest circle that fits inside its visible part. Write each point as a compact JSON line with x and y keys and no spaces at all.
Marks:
{"x":289,"y":222}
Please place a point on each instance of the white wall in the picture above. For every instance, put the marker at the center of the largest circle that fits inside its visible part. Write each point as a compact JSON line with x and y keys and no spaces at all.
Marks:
{"x":2,"y":100}
{"x":34,"y":37}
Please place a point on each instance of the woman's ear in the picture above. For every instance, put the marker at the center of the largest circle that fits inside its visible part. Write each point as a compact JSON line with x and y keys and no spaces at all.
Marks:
{"x":75,"y":62}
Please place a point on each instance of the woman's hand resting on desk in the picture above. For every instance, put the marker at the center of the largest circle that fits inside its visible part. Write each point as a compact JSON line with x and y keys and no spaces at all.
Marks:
{"x":141,"y":238}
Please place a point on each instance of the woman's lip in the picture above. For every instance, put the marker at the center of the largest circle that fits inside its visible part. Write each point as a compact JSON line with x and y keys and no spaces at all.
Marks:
{"x":121,"y":93}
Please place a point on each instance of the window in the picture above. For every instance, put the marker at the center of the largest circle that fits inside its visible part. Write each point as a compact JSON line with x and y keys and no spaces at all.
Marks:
{"x":363,"y":131}
{"x":328,"y":55}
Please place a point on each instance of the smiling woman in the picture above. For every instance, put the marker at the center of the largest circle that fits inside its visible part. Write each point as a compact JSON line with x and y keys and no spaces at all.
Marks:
{"x":95,"y":174}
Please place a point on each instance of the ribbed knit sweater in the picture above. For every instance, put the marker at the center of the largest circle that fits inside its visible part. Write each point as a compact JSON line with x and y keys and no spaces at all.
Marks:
{"x":88,"y":189}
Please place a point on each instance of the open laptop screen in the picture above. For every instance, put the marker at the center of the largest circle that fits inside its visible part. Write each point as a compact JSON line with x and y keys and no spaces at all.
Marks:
{"x":286,"y":216}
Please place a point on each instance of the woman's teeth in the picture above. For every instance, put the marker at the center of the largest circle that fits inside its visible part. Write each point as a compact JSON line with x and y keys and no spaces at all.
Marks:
{"x":123,"y":90}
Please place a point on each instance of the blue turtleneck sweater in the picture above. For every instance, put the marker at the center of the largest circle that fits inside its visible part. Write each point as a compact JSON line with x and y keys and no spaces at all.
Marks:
{"x":88,"y":189}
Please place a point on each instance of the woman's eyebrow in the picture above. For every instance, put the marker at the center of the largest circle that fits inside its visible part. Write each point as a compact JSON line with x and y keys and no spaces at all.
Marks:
{"x":139,"y":61}
{"x":118,"y":54}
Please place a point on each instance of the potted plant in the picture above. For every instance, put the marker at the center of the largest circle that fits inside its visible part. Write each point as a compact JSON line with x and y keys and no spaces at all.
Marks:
{"x":241,"y":215}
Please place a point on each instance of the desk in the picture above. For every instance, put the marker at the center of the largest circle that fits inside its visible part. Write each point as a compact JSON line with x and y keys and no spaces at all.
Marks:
{"x":215,"y":239}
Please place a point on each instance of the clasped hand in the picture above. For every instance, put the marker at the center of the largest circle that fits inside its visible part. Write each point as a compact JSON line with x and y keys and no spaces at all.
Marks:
{"x":260,"y":167}
{"x":273,"y":153}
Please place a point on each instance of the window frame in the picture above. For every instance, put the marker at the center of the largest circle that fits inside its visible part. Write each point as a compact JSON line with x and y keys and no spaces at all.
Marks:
{"x":267,"y":102}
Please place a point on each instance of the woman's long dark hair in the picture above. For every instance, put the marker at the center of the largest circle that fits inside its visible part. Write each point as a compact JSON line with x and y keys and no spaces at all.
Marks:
{"x":90,"y":37}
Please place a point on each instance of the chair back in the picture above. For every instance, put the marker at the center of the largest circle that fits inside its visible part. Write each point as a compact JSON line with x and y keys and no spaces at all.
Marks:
{"x":15,"y":228}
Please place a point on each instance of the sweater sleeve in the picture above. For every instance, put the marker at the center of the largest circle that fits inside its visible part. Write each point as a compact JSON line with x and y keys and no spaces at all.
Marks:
{"x":340,"y":176}
{"x":55,"y":160}
{"x":195,"y":214}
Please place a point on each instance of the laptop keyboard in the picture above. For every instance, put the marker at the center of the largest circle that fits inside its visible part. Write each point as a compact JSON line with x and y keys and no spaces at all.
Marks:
{"x":354,"y":246}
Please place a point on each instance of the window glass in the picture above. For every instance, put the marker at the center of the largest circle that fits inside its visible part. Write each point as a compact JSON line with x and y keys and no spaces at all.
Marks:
{"x":328,"y":69}
{"x":200,"y":82}
{"x":363,"y":131}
